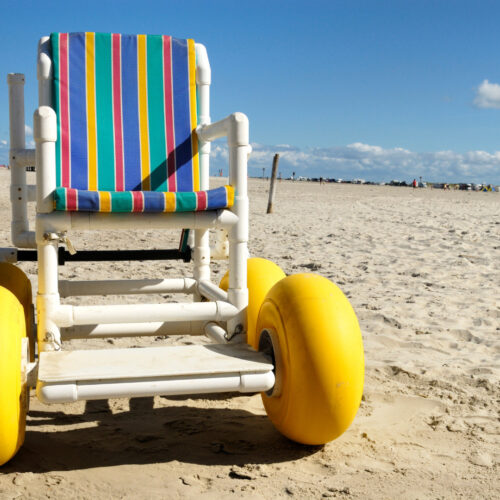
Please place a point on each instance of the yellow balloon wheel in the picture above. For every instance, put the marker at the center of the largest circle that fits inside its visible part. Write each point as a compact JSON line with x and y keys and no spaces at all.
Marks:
{"x":262,"y":275}
{"x":13,"y":389}
{"x":15,"y":280}
{"x":319,"y":360}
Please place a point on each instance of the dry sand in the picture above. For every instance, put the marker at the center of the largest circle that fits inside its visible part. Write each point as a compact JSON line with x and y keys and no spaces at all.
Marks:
{"x":421,"y":269}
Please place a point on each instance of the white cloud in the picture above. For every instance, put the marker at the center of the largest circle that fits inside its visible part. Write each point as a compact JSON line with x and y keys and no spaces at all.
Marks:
{"x":488,"y":95}
{"x":365,"y":148}
{"x":372,"y":163}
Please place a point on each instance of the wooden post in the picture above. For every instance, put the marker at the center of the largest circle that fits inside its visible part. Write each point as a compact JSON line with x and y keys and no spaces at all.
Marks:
{"x":272,"y":188}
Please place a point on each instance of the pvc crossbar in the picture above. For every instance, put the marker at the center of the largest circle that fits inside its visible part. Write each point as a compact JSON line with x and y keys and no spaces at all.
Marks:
{"x":23,"y":157}
{"x":126,"y":287}
{"x":88,"y":221}
{"x":174,"y":386}
{"x":67,"y":315}
{"x":211,"y":291}
{"x":134,"y":329}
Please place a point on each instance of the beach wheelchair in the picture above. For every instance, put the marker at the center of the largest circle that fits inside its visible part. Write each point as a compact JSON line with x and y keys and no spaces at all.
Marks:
{"x":122,"y":136}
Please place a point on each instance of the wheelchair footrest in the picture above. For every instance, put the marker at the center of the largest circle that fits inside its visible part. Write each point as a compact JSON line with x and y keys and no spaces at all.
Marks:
{"x":66,"y":376}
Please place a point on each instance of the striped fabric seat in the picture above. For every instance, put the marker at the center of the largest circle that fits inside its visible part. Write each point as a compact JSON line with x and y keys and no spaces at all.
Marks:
{"x":126,"y":114}
{"x":70,"y":199}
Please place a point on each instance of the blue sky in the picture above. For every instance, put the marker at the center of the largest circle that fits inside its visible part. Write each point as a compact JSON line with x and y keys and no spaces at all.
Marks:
{"x":378,"y":90}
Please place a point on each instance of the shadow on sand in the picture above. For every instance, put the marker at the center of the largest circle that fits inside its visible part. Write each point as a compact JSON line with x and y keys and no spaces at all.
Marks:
{"x":143,"y":435}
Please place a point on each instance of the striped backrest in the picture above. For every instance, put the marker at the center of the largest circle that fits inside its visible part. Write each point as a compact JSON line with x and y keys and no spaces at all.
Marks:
{"x":126,"y":112}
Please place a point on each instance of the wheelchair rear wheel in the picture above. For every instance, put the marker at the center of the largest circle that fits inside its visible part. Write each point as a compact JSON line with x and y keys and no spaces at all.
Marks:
{"x":14,"y":392}
{"x":262,"y":275}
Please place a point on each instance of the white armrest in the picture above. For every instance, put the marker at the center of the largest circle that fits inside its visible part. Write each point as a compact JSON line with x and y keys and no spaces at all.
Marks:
{"x":45,"y":135}
{"x":234,"y":127}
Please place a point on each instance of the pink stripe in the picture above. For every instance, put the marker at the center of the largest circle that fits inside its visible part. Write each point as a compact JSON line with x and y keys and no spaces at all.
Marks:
{"x":117,"y":112}
{"x":201,"y":200}
{"x":71,"y":199}
{"x":137,"y":201}
{"x":64,"y":103}
{"x":169,"y":113}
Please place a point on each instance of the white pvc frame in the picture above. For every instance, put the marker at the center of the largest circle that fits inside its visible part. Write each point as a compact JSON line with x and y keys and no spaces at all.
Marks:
{"x":224,"y":308}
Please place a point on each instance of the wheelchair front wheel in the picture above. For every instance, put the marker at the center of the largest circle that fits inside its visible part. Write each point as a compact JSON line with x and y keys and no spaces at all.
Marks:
{"x":309,"y":328}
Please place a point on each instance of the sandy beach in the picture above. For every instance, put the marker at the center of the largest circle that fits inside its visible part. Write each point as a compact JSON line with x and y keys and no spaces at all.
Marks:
{"x":421,"y":268}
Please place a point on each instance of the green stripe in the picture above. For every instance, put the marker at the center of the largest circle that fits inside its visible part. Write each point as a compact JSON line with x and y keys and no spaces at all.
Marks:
{"x":54,"y":39}
{"x":185,"y":202}
{"x":156,"y":116}
{"x":121,"y":201}
{"x":104,"y":111}
{"x":60,"y":198}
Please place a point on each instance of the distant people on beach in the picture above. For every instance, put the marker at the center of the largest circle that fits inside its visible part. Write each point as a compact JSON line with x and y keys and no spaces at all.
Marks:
{"x":414,"y":183}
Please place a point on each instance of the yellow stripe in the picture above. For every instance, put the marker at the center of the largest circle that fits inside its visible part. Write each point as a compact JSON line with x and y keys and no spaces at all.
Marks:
{"x":192,"y":102}
{"x":169,"y":202}
{"x":104,"y":201}
{"x":230,"y":196}
{"x":91,"y":112}
{"x":143,"y":111}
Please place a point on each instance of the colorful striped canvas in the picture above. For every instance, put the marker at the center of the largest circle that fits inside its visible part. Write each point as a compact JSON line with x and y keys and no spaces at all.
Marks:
{"x":70,"y":199}
{"x":126,"y":108}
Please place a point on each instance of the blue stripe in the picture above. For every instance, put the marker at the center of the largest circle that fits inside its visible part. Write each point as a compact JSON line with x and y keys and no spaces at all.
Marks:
{"x":88,"y":201}
{"x":216,"y":198}
{"x":182,"y":119}
{"x":153,"y":201}
{"x":130,"y":106}
{"x":78,"y":113}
